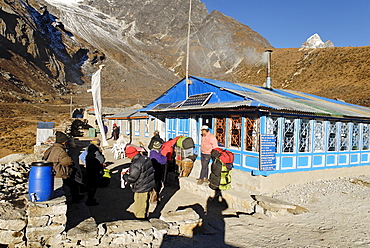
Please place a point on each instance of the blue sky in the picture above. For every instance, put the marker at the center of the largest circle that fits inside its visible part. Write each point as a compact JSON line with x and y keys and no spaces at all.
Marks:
{"x":288,"y":23}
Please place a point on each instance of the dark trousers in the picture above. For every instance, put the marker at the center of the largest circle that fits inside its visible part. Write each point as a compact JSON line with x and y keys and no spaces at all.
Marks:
{"x":71,"y":190}
{"x":91,"y":191}
{"x":204,"y":172}
{"x":158,"y":178}
{"x":91,"y":187}
{"x":165,"y":172}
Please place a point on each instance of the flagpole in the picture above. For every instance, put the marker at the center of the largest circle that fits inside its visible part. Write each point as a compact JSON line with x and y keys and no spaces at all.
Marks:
{"x":187,"y":55}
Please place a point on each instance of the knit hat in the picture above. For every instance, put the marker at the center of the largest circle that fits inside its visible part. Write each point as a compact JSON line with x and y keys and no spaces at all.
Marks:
{"x":60,"y":137}
{"x":95,"y":141}
{"x":157,"y":145}
{"x":131,"y":151}
{"x":204,"y":127}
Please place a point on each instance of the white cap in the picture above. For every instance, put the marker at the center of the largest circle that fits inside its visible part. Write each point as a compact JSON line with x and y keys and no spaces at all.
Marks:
{"x":204,"y":127}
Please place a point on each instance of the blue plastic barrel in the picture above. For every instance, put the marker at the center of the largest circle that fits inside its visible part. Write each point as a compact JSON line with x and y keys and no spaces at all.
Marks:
{"x":41,"y":181}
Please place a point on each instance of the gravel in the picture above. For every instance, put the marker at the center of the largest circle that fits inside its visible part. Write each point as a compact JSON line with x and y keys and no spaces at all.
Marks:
{"x":302,"y":194}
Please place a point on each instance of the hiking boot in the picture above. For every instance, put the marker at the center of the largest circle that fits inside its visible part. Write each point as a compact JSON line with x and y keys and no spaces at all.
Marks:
{"x":200,"y":182}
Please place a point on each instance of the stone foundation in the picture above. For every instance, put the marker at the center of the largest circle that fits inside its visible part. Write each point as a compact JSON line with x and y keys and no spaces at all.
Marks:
{"x":43,"y":224}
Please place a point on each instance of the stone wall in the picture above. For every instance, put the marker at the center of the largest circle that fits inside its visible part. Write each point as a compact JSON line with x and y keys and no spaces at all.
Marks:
{"x":43,"y":224}
{"x":46,"y":222}
{"x":12,"y":222}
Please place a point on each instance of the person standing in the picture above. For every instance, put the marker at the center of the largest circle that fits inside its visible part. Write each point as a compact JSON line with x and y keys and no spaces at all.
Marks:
{"x":115,"y":132}
{"x":105,"y":129}
{"x":141,"y":179}
{"x":63,"y":166}
{"x":95,"y":163}
{"x":159,"y":161}
{"x":155,"y":138}
{"x":208,"y":143}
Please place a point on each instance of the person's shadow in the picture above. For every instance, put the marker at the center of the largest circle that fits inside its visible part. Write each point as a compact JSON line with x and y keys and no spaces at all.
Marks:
{"x":212,"y":231}
{"x":171,"y":185}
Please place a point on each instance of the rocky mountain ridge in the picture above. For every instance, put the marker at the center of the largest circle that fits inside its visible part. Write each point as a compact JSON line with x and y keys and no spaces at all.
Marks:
{"x":142,"y":43}
{"x":50,"y":49}
{"x":34,"y":66}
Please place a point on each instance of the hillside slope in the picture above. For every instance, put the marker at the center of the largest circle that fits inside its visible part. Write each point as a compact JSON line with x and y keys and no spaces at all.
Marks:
{"x":337,"y":72}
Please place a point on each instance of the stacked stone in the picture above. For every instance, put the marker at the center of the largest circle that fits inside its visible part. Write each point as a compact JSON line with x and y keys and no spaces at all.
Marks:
{"x":85,"y":234}
{"x":184,"y":222}
{"x":12,"y":222}
{"x":46,"y":222}
{"x":132,"y":233}
{"x":14,"y":180}
{"x":42,"y":224}
{"x":129,"y":233}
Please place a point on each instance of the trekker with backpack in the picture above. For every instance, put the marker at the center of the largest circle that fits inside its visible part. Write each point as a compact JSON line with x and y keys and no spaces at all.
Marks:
{"x":159,"y":161}
{"x":95,"y":163}
{"x":141,"y":179}
{"x":155,"y":138}
{"x":63,"y":166}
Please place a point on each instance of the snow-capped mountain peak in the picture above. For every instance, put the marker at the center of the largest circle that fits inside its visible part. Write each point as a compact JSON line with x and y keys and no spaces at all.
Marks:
{"x":314,"y":41}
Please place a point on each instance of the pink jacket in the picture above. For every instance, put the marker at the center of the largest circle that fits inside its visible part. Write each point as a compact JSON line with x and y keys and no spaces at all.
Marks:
{"x":209,"y":142}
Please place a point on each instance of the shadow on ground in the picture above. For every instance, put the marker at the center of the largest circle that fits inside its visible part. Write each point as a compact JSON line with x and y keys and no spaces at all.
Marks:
{"x":113,"y":200}
{"x":212,"y":231}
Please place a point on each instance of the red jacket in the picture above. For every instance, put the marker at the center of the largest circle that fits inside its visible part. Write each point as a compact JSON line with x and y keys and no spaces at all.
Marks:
{"x":167,"y":148}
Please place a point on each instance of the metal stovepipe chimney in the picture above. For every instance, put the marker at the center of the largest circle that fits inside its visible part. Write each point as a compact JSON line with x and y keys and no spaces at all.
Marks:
{"x":268,"y":78}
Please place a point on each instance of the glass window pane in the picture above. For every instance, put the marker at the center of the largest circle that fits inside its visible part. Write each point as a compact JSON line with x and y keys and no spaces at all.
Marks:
{"x":272,"y":128}
{"x":235,"y":131}
{"x":288,"y":135}
{"x":305,"y":135}
{"x":332,"y":136}
{"x":251,"y":134}
{"x":319,"y":136}
{"x":220,"y":130}
{"x":355,"y":136}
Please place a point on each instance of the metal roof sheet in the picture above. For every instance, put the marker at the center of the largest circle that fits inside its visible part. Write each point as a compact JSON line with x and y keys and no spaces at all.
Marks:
{"x":128,"y":114}
{"x":275,"y":99}
{"x":45,"y":125}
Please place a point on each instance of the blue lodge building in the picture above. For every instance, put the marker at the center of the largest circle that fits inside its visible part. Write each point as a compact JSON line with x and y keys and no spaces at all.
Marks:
{"x":270,"y":131}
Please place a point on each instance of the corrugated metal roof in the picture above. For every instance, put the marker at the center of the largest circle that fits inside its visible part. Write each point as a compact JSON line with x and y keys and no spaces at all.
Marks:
{"x":135,"y":113}
{"x":106,"y":110}
{"x":276,"y":99}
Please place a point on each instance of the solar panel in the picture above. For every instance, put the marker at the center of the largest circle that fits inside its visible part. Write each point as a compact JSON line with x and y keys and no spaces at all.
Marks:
{"x":162,"y":106}
{"x":175,"y":104}
{"x":197,"y":100}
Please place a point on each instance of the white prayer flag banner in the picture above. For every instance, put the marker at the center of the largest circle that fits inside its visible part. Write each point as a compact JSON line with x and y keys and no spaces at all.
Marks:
{"x":96,"y":95}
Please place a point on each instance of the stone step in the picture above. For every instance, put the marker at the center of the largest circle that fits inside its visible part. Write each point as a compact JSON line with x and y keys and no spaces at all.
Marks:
{"x":238,"y":201}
